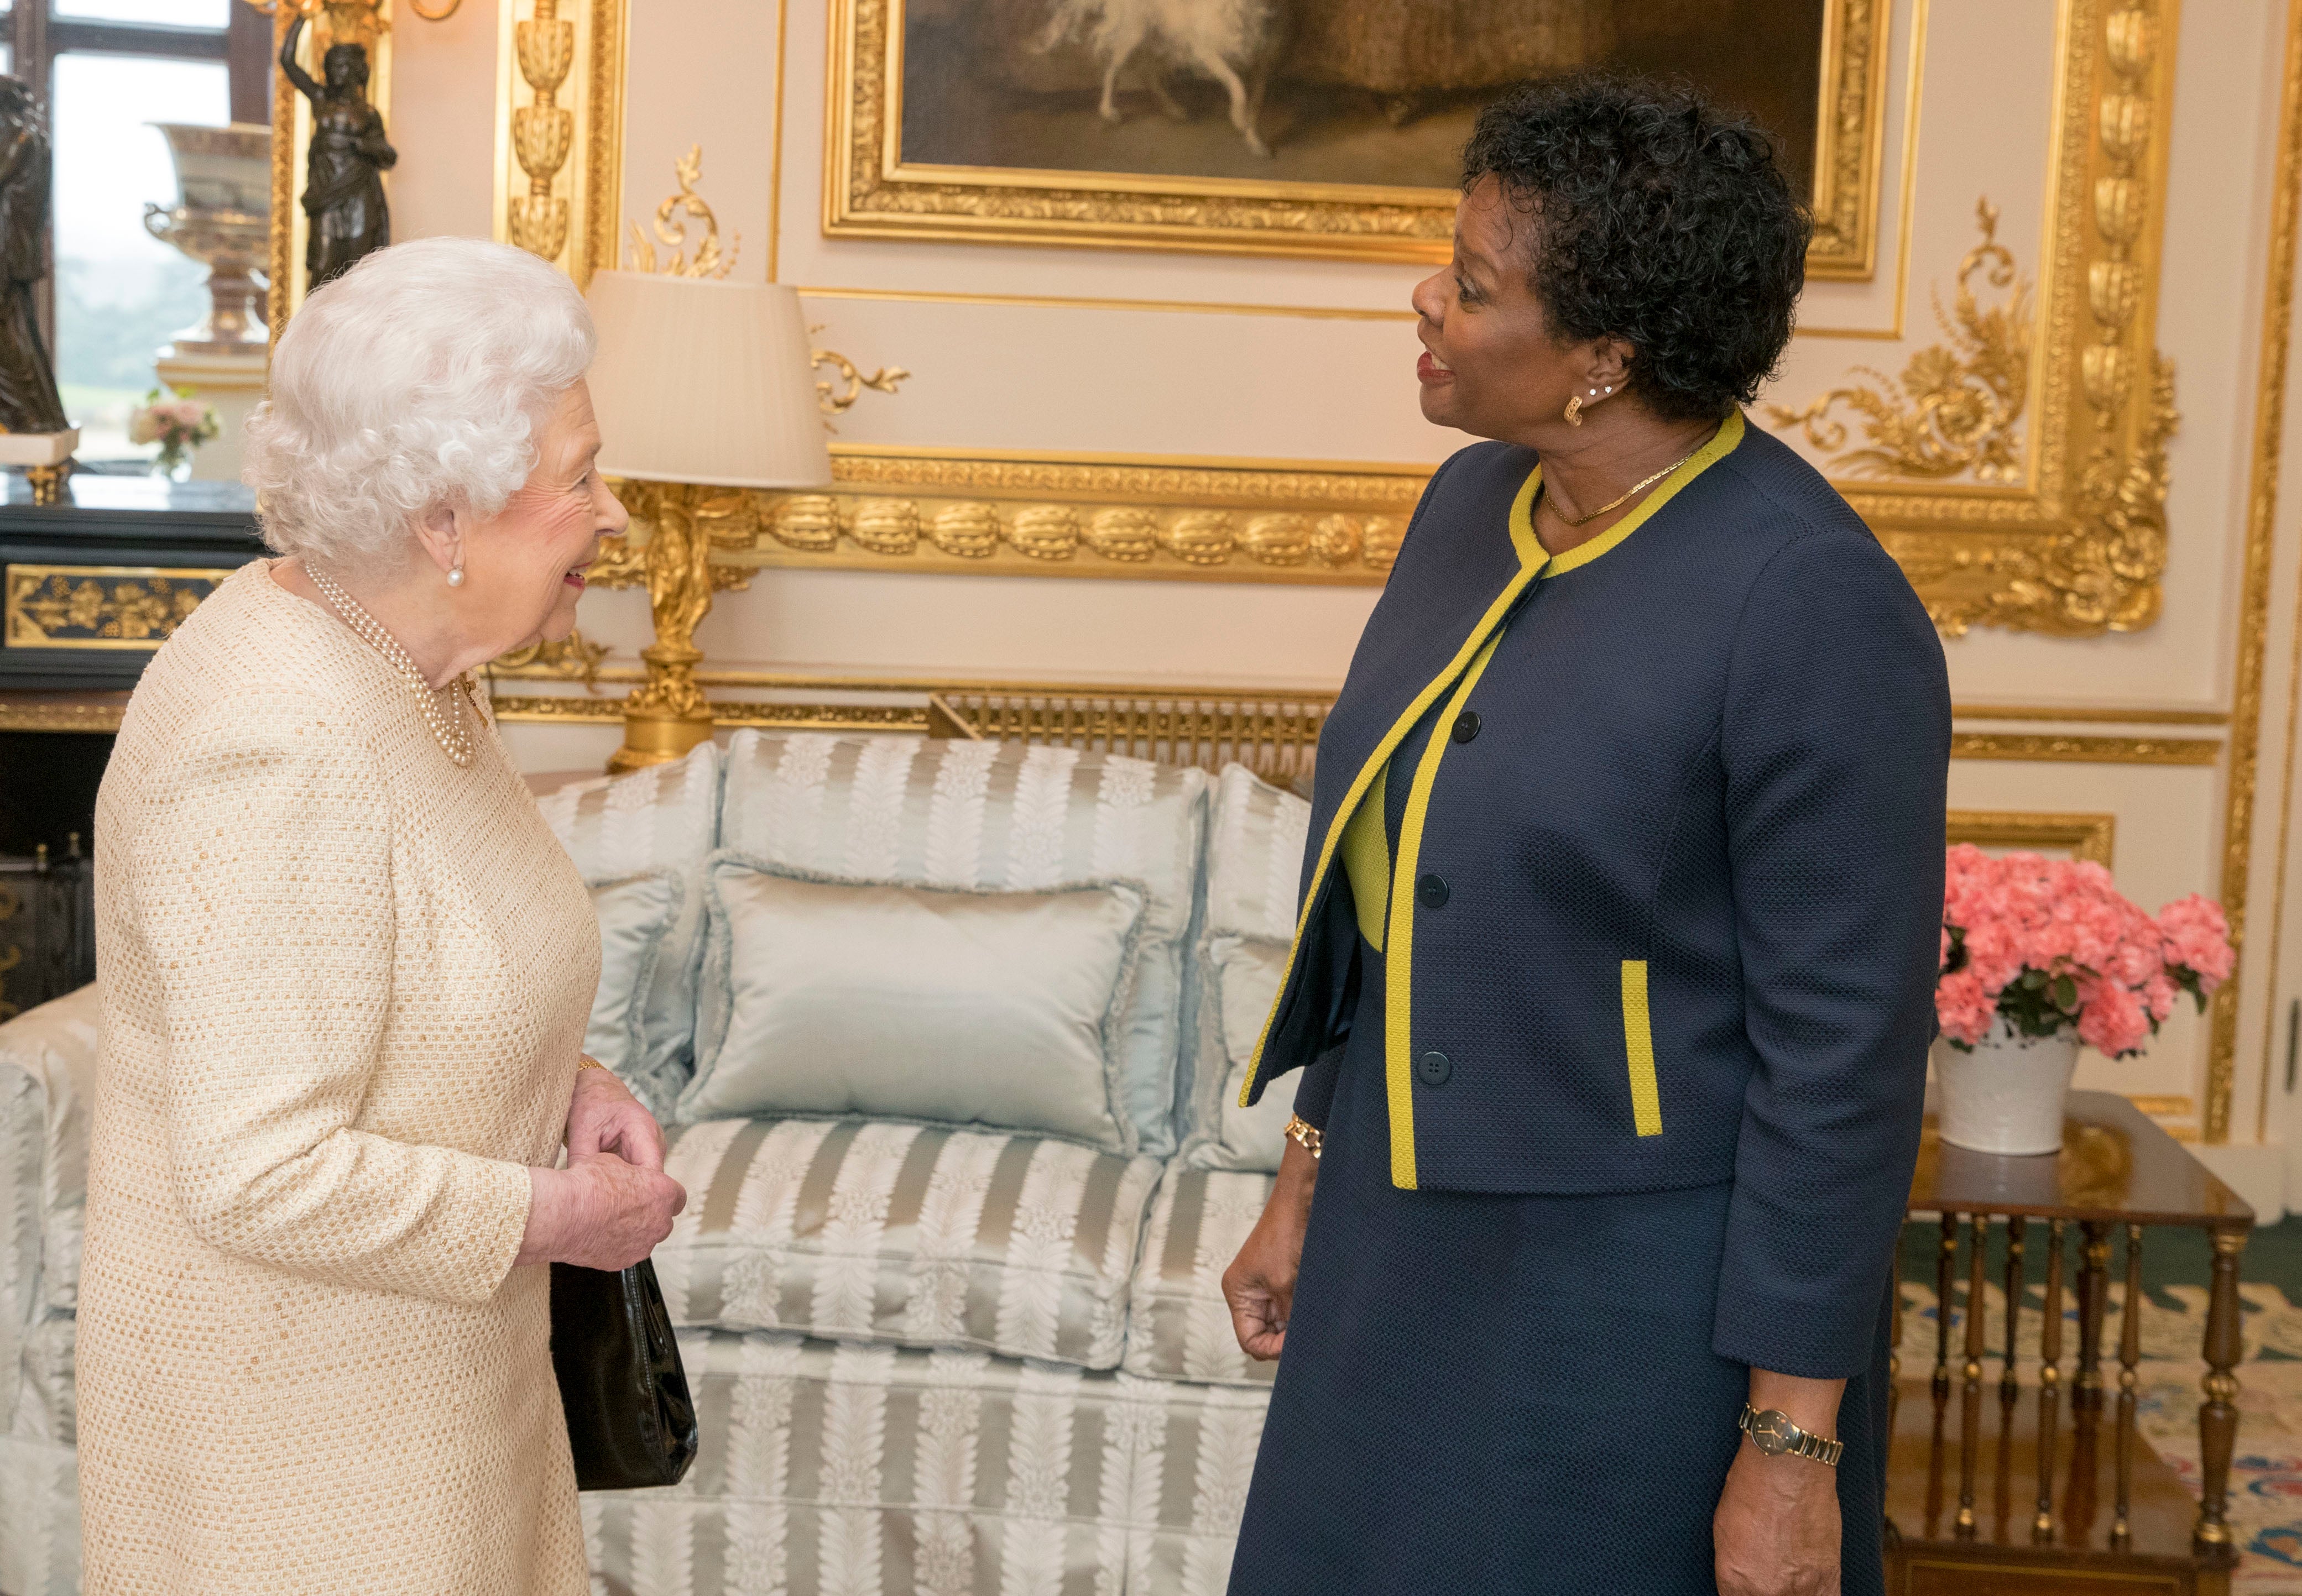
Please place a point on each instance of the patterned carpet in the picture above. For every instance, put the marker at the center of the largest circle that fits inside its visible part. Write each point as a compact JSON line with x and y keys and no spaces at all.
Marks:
{"x":2266,"y":1501}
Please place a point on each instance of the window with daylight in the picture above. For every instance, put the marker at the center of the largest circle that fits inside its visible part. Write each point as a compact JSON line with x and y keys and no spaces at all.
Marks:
{"x":109,"y":73}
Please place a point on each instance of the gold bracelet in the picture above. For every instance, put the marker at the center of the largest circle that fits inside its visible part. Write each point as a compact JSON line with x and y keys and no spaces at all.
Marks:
{"x":1305,"y":1135}
{"x":586,"y":1062}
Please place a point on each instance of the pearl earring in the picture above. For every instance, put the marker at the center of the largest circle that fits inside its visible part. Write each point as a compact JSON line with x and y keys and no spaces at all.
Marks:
{"x":456,"y":578}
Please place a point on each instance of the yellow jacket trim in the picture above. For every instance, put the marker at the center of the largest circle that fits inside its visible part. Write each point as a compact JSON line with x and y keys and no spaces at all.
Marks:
{"x":1366,"y":861}
{"x":1535,"y":562}
{"x":1531,"y":558}
{"x":1399,"y":964}
{"x":1638,"y":1044}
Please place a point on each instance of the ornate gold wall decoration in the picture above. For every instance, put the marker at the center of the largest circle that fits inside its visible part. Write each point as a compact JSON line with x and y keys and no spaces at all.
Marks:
{"x":1956,"y":409}
{"x":101,"y":607}
{"x":869,"y":192}
{"x":671,"y":230}
{"x":836,"y":400}
{"x":559,"y":130}
{"x":2072,"y":543}
{"x":1062,"y":515}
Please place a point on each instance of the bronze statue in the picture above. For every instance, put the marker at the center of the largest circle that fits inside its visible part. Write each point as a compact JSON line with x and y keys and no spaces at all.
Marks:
{"x":344,"y":197}
{"x":29,"y":402}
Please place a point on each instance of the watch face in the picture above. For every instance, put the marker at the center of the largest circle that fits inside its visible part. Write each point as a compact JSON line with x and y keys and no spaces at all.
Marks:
{"x":1773,"y":1432}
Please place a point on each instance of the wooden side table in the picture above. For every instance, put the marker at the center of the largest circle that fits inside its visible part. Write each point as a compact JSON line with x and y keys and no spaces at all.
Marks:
{"x":2009,"y":1495}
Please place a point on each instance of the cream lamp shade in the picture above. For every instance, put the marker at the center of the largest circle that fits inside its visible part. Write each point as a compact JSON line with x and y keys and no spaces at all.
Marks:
{"x":699,"y":381}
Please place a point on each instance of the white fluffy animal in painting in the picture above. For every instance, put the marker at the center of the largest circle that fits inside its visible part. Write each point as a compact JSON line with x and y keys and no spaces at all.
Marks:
{"x":1231,"y":41}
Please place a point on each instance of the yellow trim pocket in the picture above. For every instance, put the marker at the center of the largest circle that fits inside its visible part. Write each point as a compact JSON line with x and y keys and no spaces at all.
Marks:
{"x":1638,"y":1043}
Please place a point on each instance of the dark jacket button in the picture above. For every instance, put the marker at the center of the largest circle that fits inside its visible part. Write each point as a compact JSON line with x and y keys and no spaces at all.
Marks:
{"x":1432,"y":891}
{"x":1434,"y":1069}
{"x":1466,"y":726}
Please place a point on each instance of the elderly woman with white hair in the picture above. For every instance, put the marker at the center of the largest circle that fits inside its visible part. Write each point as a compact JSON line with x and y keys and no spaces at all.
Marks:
{"x":345,"y":973}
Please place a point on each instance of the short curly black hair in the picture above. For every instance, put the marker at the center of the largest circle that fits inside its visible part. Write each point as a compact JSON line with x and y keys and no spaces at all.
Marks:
{"x":1659,"y":219}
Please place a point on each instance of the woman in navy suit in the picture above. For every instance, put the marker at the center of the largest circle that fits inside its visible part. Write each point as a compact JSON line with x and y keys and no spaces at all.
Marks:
{"x":1612,"y":988}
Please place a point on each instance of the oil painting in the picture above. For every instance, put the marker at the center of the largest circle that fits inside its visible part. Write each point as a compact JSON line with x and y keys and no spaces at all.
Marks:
{"x":1322,"y":127}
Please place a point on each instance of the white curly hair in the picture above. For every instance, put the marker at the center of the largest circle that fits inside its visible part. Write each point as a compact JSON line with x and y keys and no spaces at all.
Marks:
{"x":416,"y":382}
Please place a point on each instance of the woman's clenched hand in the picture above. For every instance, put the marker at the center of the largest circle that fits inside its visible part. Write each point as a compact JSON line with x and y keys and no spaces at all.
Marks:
{"x":598,"y":1212}
{"x":606,"y":1118}
{"x":1260,"y":1283}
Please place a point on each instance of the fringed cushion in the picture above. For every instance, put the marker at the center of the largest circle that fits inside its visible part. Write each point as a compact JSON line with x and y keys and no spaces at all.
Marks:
{"x":922,"y":1236}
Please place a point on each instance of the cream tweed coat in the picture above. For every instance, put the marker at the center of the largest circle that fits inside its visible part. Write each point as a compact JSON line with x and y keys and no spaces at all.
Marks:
{"x":345,"y":985}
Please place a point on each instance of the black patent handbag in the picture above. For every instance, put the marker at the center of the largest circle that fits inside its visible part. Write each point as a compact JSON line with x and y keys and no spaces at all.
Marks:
{"x":631,"y":1422}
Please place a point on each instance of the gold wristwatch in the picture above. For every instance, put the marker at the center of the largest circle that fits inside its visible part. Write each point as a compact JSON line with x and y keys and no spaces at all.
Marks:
{"x":1773,"y":1433}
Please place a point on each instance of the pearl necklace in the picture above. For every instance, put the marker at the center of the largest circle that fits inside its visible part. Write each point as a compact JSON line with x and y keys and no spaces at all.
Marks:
{"x":449,"y":729}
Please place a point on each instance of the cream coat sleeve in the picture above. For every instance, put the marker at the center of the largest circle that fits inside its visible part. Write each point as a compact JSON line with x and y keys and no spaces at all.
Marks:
{"x":262,"y":881}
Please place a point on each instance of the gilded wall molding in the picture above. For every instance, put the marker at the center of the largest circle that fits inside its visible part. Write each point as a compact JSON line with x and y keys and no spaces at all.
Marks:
{"x":2254,"y":622}
{"x":2087,"y":836}
{"x":559,"y":130}
{"x":2060,"y":748}
{"x":1057,"y":514}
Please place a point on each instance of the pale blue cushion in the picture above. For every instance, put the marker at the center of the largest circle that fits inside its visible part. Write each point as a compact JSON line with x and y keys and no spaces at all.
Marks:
{"x":636,"y":913}
{"x":662,"y":817}
{"x":1005,"y":815}
{"x":950,"y":1004}
{"x":1256,"y":838}
{"x":1242,"y":983}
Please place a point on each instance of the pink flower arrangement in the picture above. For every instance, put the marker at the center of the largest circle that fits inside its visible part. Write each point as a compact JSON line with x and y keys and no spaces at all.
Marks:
{"x":178,"y":425}
{"x":2051,"y":944}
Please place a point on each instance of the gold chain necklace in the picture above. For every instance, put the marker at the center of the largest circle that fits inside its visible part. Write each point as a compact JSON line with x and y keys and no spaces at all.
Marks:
{"x":1617,"y":502}
{"x":449,"y":729}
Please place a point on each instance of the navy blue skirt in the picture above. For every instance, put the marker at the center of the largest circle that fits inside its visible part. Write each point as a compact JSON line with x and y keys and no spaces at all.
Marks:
{"x":1507,"y":1394}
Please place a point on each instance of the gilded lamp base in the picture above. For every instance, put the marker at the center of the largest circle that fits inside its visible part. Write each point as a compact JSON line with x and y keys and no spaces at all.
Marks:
{"x":657,"y":737}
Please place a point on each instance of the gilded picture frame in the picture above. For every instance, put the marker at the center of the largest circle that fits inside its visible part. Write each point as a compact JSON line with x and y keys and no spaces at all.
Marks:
{"x":871,"y":190}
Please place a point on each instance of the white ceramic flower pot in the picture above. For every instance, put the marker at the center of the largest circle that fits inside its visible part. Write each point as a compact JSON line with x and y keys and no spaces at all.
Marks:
{"x":2006,"y":1095}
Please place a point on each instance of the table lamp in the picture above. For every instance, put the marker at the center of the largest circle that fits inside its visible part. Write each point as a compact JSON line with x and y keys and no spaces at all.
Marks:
{"x":699,"y":383}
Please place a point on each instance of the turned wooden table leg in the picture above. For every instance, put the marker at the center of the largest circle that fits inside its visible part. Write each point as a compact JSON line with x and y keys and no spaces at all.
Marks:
{"x":1969,"y":1433}
{"x":2218,"y":1413}
{"x":2009,"y":1389}
{"x":2130,"y":1353}
{"x":2050,"y":1385}
{"x":1945,"y":1270}
{"x":2093,"y":1294}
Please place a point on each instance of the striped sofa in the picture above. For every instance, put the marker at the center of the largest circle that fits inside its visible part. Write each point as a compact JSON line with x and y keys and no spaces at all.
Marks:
{"x":927,"y":1356}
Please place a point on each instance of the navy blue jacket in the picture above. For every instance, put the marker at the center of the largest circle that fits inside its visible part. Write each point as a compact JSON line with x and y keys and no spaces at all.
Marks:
{"x":1666,"y":904}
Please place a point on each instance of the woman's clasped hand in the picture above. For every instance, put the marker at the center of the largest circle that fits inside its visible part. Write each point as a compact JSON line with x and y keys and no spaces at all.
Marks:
{"x":612,"y":1204}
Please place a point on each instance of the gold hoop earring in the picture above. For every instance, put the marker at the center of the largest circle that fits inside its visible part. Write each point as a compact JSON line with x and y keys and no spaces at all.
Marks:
{"x":1575,"y":411}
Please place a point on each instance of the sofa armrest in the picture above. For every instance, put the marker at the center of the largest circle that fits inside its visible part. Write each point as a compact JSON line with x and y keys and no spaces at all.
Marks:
{"x":48,"y":1093}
